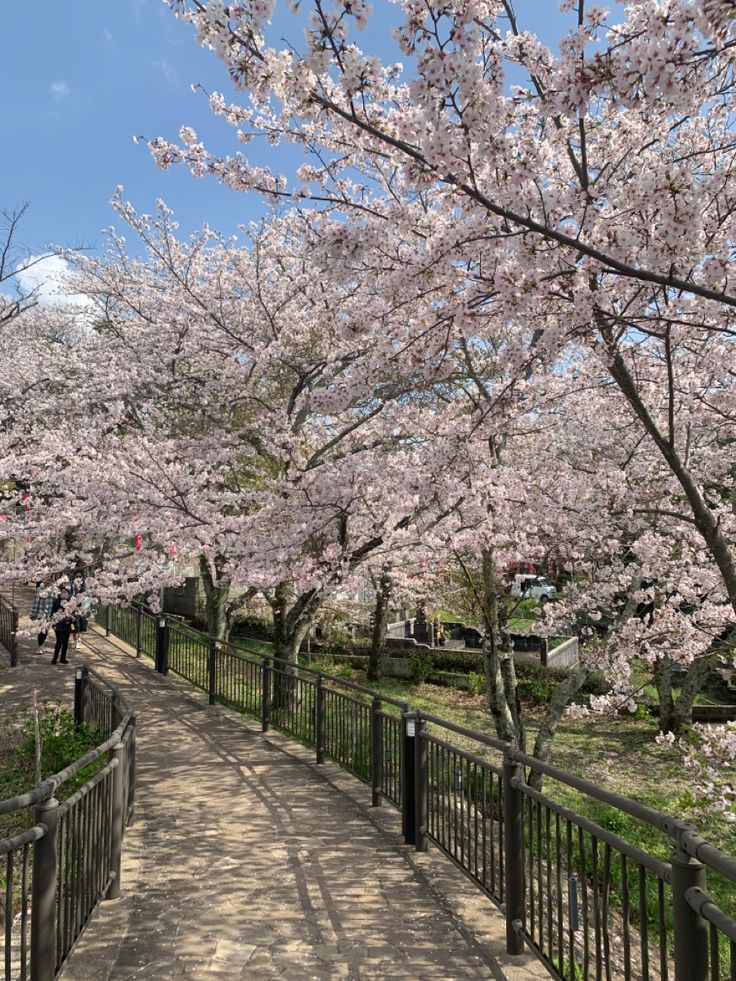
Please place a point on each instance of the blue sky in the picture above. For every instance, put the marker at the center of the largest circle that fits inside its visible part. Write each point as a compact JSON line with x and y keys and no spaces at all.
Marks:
{"x":82,"y":78}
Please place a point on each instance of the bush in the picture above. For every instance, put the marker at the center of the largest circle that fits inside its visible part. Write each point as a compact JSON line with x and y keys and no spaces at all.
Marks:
{"x":421,"y":668}
{"x":465,"y":661}
{"x":252,"y":626}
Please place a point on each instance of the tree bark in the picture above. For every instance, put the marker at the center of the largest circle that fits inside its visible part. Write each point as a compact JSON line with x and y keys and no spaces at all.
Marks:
{"x":561,"y":698}
{"x":380,"y":626}
{"x":216,"y":594}
{"x":292,"y":618}
{"x":504,"y":718}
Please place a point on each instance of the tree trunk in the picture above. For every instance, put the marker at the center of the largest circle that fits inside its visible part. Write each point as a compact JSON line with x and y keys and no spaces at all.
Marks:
{"x":506,"y":719}
{"x":292,"y":618}
{"x":216,"y":593}
{"x":380,"y":626}
{"x":561,"y":698}
{"x":676,"y":715}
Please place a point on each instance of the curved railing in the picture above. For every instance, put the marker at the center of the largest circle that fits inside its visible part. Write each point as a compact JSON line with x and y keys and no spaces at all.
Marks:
{"x":9,"y":629}
{"x":68,"y":860}
{"x":586,"y":901}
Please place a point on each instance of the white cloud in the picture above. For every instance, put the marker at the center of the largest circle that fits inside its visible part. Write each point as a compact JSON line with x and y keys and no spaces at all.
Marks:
{"x":46,"y":276}
{"x":60,"y":89}
{"x":167,"y":70}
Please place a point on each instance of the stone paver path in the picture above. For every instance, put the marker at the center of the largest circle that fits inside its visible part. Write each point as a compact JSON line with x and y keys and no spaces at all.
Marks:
{"x":245,"y":859}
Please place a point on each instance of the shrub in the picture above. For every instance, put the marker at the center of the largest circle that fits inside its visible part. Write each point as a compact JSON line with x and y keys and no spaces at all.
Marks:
{"x":477,"y":683}
{"x":421,"y":667}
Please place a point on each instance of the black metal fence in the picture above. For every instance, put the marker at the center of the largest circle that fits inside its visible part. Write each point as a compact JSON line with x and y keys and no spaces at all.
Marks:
{"x":54,"y":874}
{"x":587,"y":902}
{"x":9,"y":629}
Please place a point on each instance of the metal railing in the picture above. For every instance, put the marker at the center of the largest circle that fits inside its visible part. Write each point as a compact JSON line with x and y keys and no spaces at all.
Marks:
{"x":68,"y":860}
{"x":586,"y":901}
{"x":9,"y":629}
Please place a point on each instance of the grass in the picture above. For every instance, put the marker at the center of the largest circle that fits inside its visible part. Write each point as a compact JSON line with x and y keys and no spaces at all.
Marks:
{"x":616,"y":754}
{"x":619,"y":755}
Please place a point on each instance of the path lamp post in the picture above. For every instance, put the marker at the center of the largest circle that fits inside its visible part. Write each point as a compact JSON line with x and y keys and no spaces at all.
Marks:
{"x":408,"y":791}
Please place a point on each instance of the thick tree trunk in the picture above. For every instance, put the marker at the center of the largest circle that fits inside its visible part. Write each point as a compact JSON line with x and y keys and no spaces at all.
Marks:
{"x":498,"y":662}
{"x":676,"y":714}
{"x":216,"y":594}
{"x":380,"y":626}
{"x":292,"y":618}
{"x":561,"y":698}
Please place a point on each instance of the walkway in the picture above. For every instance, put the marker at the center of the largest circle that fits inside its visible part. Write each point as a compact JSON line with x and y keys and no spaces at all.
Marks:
{"x":247,"y":860}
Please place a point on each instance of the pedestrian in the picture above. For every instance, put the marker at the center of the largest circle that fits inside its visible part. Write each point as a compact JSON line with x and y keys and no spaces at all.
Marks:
{"x":43,"y":602}
{"x":83,"y":606}
{"x":62,"y":619}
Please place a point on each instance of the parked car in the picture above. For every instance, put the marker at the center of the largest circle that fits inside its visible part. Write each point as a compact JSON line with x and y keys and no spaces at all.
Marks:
{"x":533,"y":587}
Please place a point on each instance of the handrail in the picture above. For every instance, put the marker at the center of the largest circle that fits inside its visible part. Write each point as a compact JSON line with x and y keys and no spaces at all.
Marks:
{"x":58,"y":888}
{"x":530,"y":850}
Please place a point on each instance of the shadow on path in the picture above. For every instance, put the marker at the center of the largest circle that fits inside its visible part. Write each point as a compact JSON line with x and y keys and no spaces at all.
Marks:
{"x":246,"y":860}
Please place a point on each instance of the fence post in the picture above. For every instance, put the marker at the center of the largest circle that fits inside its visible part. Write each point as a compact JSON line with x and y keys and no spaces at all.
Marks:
{"x":43,"y":894}
{"x":118,"y":819}
{"x":80,"y":683}
{"x":130,"y":803}
{"x":376,"y":751}
{"x":689,"y":929}
{"x":162,"y":646}
{"x":513,"y":858}
{"x":138,"y":630}
{"x":14,"y":638}
{"x":266,"y":695}
{"x":107,"y":620}
{"x":320,"y":720}
{"x":408,"y":801}
{"x":421,"y":790}
{"x":543,"y":651}
{"x":212,"y":671}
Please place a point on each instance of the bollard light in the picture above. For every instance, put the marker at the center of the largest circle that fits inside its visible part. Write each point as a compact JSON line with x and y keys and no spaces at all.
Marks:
{"x":411,"y":727}
{"x":78,"y":674}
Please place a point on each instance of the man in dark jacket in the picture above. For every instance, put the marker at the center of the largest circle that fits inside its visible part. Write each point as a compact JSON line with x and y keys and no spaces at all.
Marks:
{"x":62,"y":620}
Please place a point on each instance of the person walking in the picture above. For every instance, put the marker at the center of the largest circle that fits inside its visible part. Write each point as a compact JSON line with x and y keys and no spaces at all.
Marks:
{"x":62,"y":620}
{"x":43,"y":602}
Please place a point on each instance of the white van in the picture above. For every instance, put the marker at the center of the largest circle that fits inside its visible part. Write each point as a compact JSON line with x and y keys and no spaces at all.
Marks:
{"x":533,"y":587}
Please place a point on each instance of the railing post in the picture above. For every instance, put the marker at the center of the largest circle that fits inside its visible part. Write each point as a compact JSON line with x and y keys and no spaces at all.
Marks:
{"x":80,"y":684}
{"x":408,"y":790}
{"x":376,"y":751}
{"x":162,"y":646}
{"x":138,"y":630}
{"x":320,"y":720}
{"x":689,"y":929}
{"x":13,"y":638}
{"x":118,"y":819}
{"x":212,"y":671}
{"x":513,"y":834}
{"x":107,"y":619}
{"x":421,"y":790}
{"x":266,"y":694}
{"x":43,"y":894}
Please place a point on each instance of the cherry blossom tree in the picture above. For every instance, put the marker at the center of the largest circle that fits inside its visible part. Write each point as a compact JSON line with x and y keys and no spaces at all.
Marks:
{"x":240,"y":417}
{"x":592,"y":202}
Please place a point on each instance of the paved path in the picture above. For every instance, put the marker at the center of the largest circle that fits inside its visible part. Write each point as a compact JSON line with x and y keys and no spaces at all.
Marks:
{"x":247,"y":860}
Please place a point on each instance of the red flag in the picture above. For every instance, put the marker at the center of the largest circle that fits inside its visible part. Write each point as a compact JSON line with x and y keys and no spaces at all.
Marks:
{"x":138,"y":542}
{"x":172,"y":550}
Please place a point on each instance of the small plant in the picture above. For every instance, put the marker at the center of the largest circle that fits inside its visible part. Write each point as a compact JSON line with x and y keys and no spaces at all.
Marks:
{"x":345,"y":670}
{"x":421,"y":666}
{"x":476,"y":683}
